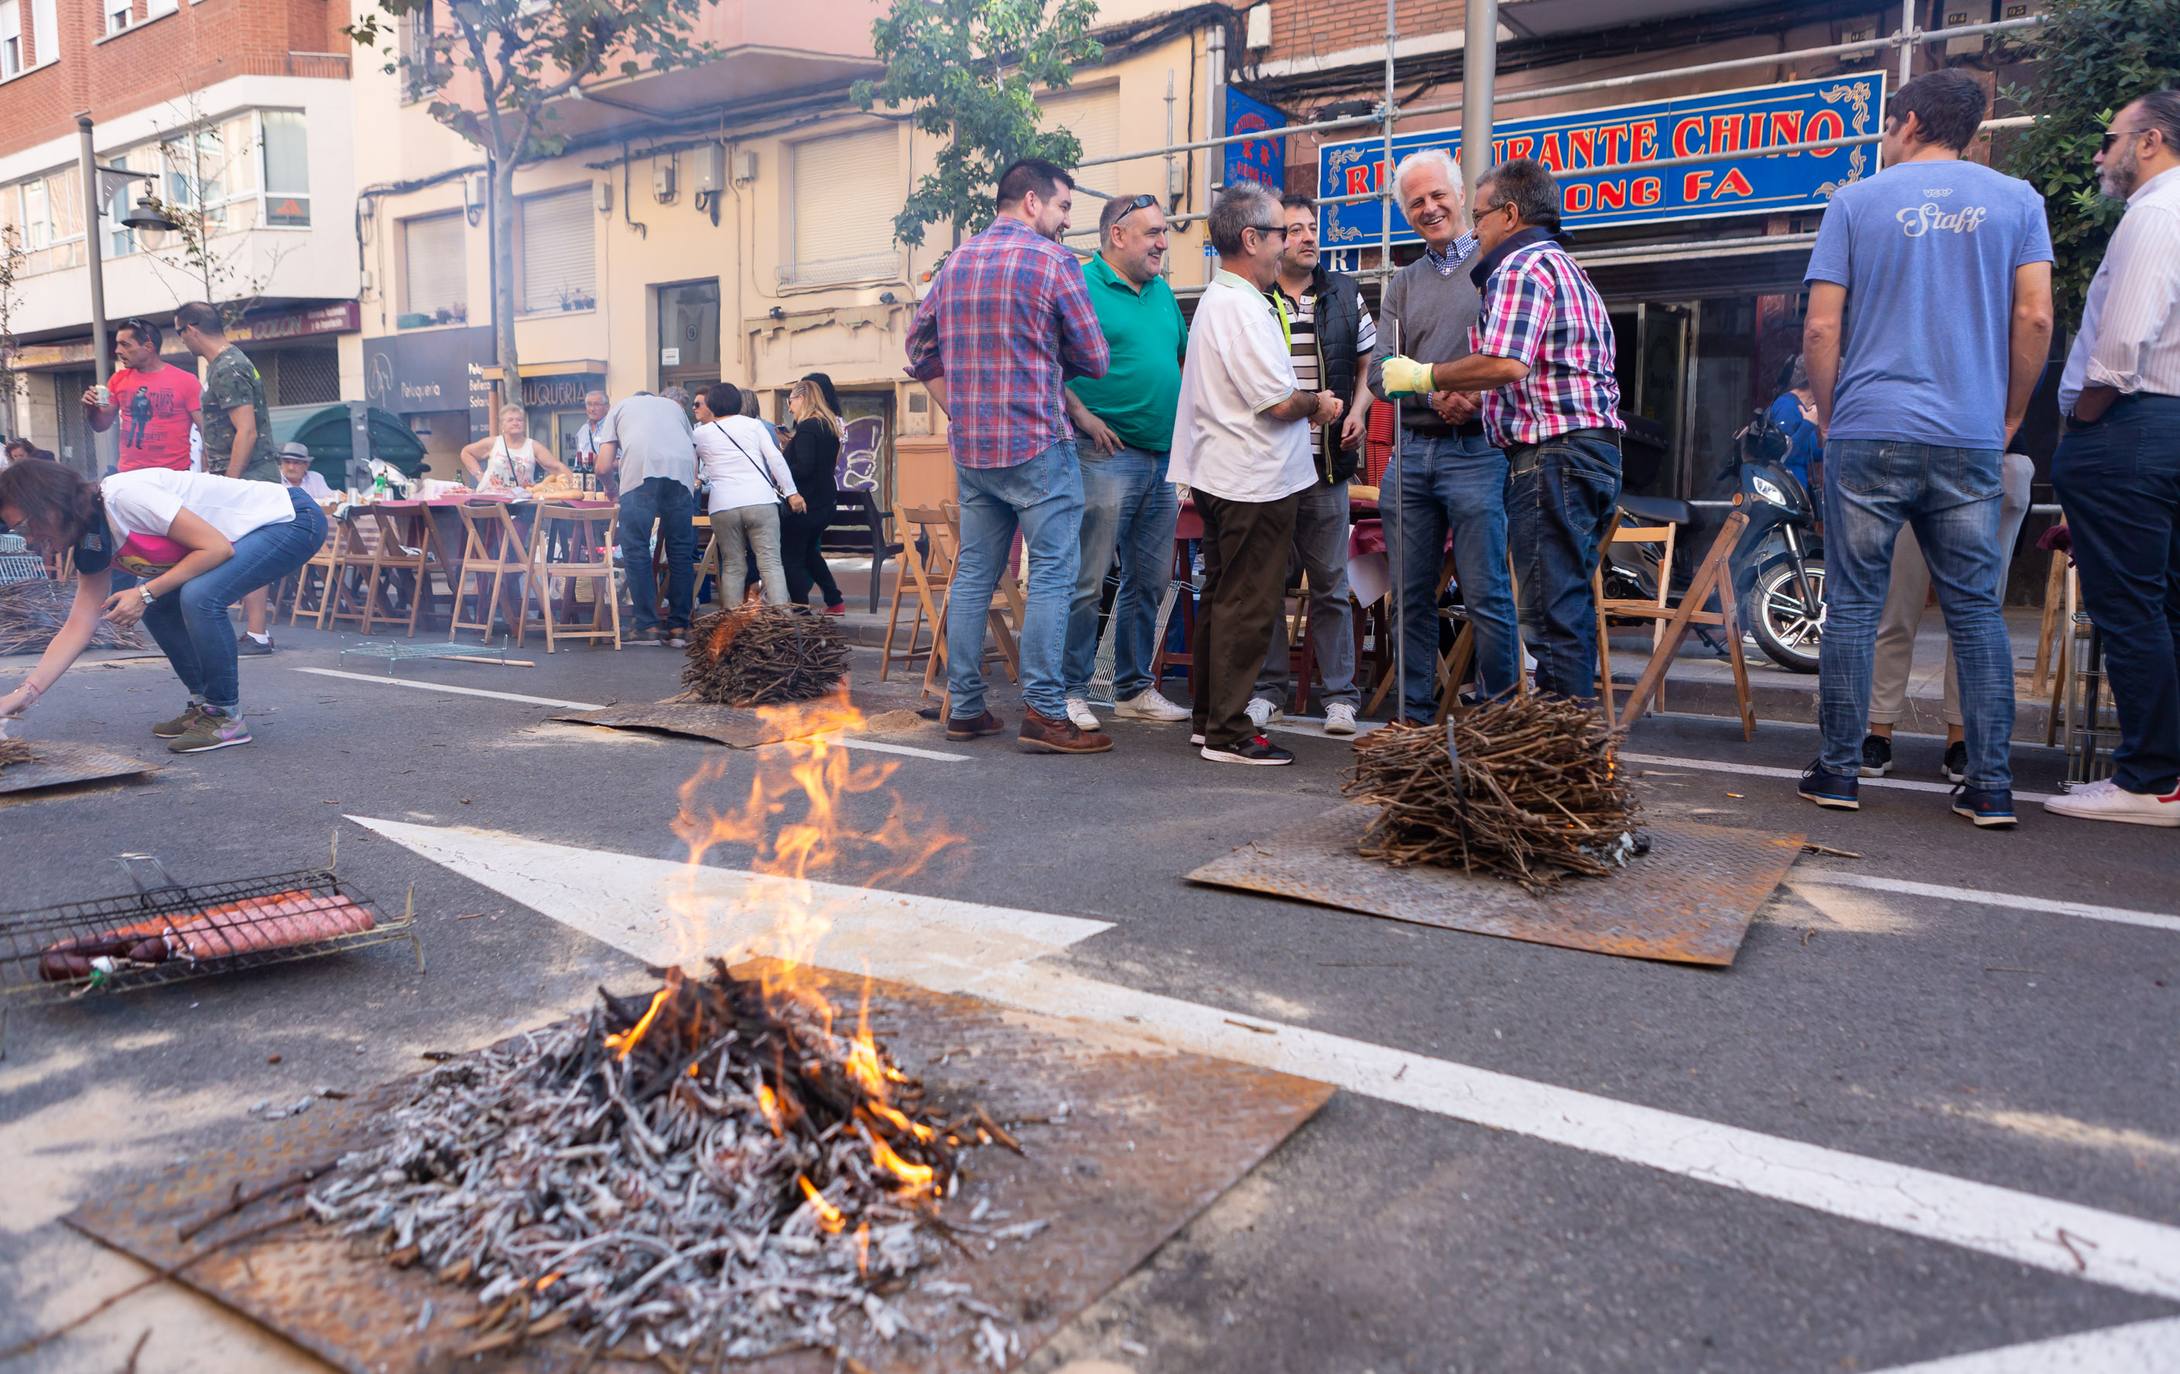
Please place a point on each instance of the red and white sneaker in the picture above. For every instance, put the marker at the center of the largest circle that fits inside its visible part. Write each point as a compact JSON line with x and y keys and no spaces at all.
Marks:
{"x":2108,"y":801}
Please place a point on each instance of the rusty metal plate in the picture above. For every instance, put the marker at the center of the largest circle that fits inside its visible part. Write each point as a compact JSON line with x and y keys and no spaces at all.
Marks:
{"x":1689,"y":900}
{"x":733,"y":726}
{"x":1146,"y":1140}
{"x":59,"y":763}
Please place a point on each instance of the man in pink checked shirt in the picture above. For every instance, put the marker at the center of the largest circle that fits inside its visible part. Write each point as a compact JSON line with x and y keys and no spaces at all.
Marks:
{"x":1005,"y":324}
{"x":1542,"y":359}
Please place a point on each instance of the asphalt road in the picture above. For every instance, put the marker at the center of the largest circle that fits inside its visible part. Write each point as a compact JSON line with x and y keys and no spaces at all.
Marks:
{"x":1970,"y":1036}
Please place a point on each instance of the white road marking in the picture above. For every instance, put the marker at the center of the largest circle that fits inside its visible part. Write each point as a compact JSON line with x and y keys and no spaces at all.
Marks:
{"x":849,"y":741}
{"x":1827,"y":877}
{"x":2151,"y":1347}
{"x":629,"y":902}
{"x":1752,"y":770}
{"x":380,"y":680}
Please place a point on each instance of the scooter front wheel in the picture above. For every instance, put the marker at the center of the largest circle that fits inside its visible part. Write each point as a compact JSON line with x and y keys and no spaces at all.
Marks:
{"x":1784,"y":629}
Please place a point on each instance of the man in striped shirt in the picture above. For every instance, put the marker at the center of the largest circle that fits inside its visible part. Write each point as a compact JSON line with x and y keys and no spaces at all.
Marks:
{"x":2118,"y":467}
{"x":1005,"y":324}
{"x":1542,"y":354}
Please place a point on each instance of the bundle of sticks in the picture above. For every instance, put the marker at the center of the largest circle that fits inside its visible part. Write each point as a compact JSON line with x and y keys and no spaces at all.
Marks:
{"x":1538,"y":797}
{"x":711,"y":1172}
{"x":764,"y":655}
{"x":14,"y":751}
{"x":279,"y":921}
{"x":31,"y":613}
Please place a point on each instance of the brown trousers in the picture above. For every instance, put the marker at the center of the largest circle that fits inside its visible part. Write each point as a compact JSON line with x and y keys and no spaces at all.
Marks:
{"x":1246,"y":545}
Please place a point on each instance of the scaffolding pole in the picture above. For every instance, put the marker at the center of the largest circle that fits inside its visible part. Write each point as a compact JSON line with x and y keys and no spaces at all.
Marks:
{"x":1479,"y":71}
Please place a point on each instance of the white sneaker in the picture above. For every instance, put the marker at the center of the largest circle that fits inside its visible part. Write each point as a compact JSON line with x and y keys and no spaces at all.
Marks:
{"x":1150,"y":704}
{"x":1078,"y":711}
{"x":1262,"y":712}
{"x":1339,"y":719}
{"x":2108,"y":801}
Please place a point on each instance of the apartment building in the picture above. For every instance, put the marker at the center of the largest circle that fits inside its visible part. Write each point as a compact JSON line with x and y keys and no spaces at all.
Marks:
{"x":236,"y":113}
{"x":732,"y":220}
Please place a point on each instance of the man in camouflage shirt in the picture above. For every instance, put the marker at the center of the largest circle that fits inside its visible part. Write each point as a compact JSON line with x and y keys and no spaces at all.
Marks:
{"x":237,"y":432}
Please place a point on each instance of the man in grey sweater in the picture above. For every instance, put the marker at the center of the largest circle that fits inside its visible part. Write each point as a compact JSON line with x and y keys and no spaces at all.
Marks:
{"x":1449,"y":475}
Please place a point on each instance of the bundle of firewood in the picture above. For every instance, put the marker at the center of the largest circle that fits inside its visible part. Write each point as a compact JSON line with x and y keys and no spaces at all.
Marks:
{"x":764,"y":655}
{"x":31,"y":613}
{"x":1537,"y":794}
{"x":14,"y":751}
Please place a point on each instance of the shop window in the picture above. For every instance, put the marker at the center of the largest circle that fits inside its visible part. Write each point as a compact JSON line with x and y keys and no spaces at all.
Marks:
{"x":11,"y":39}
{"x":558,"y":251}
{"x":286,"y":168}
{"x":435,"y":276}
{"x":843,"y":188}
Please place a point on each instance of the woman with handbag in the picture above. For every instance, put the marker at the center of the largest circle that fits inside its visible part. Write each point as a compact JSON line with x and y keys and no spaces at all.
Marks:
{"x":749,"y":482}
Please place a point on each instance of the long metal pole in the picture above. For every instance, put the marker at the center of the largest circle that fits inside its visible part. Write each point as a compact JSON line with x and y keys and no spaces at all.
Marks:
{"x":1387,"y":196}
{"x":1907,"y":42}
{"x":87,"y":160}
{"x":1479,"y":70}
{"x":1215,"y":58}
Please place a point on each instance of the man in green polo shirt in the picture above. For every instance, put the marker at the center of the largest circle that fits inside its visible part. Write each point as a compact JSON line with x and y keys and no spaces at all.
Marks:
{"x":1126,"y":424}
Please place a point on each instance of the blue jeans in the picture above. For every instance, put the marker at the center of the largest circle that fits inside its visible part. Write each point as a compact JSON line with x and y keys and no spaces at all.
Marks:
{"x":1558,"y":499}
{"x":1454,"y":482}
{"x":672,"y":507}
{"x":1043,"y":498}
{"x":190,"y":624}
{"x":1127,"y":504}
{"x":1950,"y":497}
{"x":2119,"y":481}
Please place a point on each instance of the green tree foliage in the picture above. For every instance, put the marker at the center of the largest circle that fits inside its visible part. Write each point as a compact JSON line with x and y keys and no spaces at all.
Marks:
{"x":520,"y":56}
{"x":2092,"y":57}
{"x":969,"y":72}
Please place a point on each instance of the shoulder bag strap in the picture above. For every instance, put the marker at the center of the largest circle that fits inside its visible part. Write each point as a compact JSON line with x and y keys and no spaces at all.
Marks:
{"x":762,"y":470}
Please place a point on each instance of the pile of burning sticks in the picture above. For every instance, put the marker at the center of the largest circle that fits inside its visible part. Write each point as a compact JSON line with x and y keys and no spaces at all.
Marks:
{"x":710,"y":1173}
{"x":1538,"y":797}
{"x":764,"y":656}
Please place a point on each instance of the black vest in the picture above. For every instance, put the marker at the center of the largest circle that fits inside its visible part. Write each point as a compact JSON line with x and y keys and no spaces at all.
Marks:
{"x":1337,"y":320}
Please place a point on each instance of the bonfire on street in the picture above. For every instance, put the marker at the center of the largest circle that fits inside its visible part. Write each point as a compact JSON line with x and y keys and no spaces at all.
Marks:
{"x":758,"y":655}
{"x":712,"y":1172}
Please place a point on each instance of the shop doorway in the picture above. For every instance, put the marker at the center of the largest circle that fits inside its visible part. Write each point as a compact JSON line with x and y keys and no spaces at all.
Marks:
{"x":688,"y":334}
{"x":1654,"y":339}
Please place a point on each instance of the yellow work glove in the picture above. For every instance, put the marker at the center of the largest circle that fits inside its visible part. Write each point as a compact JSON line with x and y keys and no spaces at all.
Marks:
{"x":1407,"y":377}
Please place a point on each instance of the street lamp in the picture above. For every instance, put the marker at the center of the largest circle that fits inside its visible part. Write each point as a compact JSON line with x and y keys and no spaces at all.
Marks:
{"x":145,"y":215}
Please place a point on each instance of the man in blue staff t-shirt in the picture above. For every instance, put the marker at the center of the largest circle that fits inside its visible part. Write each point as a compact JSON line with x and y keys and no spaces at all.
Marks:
{"x":1929,"y":321}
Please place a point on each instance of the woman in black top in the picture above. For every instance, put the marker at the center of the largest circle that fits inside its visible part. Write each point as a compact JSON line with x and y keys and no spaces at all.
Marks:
{"x":811,"y":451}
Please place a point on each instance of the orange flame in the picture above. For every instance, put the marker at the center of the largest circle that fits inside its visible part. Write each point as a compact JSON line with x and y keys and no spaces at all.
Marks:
{"x":862,"y":1250}
{"x":916,"y":1176}
{"x":625,"y":1042}
{"x":768,"y":1102}
{"x":828,"y":1215}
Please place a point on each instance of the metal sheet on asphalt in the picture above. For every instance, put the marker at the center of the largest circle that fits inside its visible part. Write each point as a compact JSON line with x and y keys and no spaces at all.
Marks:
{"x":58,"y":763}
{"x":1125,"y":1144}
{"x":733,"y":726}
{"x":1689,"y":900}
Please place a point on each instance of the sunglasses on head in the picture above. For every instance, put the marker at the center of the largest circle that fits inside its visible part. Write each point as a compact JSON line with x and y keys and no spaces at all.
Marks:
{"x":1135,"y":203}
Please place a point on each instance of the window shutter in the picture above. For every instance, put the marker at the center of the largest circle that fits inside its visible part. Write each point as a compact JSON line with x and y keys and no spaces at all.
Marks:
{"x":844,"y":187}
{"x":558,"y":255}
{"x":1093,"y":117}
{"x":438,"y":276}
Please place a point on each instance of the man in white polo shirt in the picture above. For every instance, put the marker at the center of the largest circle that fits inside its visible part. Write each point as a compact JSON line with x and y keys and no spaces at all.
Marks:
{"x":1241,"y":443}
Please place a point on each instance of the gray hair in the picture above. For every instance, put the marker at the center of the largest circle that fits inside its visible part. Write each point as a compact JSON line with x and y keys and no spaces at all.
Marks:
{"x":1430,"y":157}
{"x":680,"y":396}
{"x":1236,"y":209}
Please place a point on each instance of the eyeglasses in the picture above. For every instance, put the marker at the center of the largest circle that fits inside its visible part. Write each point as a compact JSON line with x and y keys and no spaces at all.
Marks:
{"x":2113,"y":136}
{"x":1279,"y":229}
{"x":1502,"y":205}
{"x":1135,"y":203}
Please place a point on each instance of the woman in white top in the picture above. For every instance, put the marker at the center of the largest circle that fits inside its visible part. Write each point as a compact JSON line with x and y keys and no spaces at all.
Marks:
{"x":201,"y":542}
{"x":748,"y":478}
{"x":510,"y":458}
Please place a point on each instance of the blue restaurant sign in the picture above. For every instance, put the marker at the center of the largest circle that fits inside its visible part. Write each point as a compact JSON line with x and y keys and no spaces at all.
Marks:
{"x":1606,"y":140}
{"x":1261,"y":160}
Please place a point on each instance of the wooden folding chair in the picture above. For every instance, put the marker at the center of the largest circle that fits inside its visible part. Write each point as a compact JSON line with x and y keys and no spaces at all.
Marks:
{"x":1006,"y":595}
{"x":326,"y":565}
{"x":1713,"y":578}
{"x":2050,"y":644}
{"x":576,"y":543}
{"x":927,"y":566}
{"x":493,"y":549}
{"x":377,"y":560}
{"x":1187,"y":527}
{"x":1662,"y":537}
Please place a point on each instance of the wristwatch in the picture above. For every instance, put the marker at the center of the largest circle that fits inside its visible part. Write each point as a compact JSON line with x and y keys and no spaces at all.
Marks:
{"x":144,"y":590}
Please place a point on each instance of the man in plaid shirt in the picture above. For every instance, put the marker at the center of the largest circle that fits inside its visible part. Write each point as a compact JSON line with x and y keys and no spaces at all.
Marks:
{"x":1005,"y":324}
{"x":1543,"y":357}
